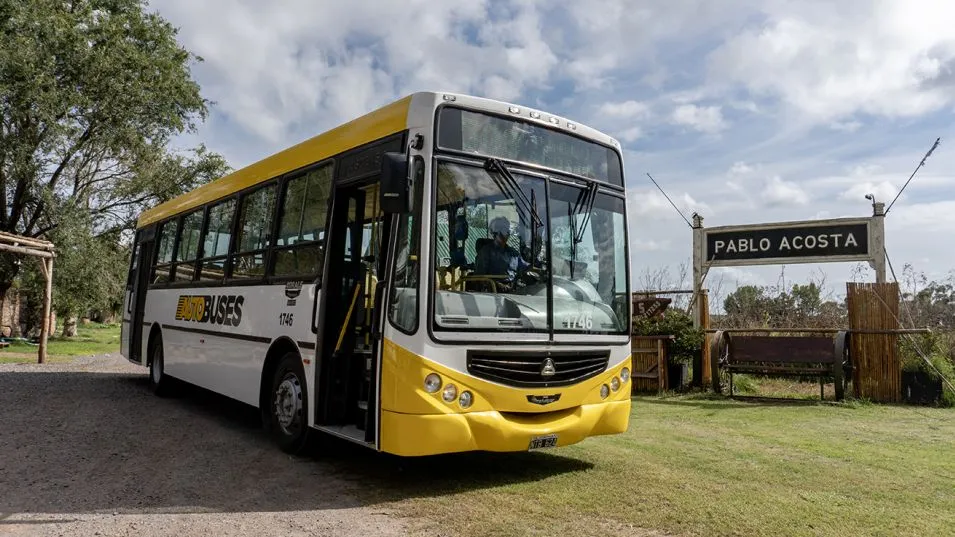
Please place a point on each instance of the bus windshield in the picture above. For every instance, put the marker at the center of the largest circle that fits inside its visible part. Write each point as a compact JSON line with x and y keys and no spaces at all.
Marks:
{"x":522,"y":141}
{"x":507,"y":244}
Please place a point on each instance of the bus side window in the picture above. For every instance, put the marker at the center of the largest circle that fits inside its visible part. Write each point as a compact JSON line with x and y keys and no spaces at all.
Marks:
{"x":300,"y":245}
{"x":188,"y":251}
{"x":255,"y":233}
{"x":215,"y":244}
{"x":163,"y":261}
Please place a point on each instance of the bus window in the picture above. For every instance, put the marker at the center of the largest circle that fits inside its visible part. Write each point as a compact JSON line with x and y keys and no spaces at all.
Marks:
{"x":255,"y":228}
{"x":215,"y":246}
{"x":185,"y":267}
{"x":302,"y":224}
{"x":163,"y":261}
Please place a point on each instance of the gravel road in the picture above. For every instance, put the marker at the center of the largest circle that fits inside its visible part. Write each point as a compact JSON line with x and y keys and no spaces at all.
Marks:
{"x":86,"y":449}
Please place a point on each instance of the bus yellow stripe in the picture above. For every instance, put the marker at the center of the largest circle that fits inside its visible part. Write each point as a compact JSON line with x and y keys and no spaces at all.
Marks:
{"x":387,"y":120}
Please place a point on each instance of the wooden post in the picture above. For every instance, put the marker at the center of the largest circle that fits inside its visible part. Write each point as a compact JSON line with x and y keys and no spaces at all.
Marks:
{"x":663,"y":382}
{"x":46,"y":265}
{"x":44,"y":251}
{"x":707,"y":375}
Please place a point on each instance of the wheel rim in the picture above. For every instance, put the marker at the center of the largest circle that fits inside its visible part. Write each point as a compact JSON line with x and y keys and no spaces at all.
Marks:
{"x":157,"y":366}
{"x":288,"y":404}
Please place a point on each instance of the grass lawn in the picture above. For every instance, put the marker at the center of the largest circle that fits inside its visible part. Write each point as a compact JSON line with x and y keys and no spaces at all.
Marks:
{"x":92,"y":338}
{"x":697,"y":465}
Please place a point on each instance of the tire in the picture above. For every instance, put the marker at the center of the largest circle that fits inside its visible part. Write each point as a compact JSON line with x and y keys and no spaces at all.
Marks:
{"x":159,"y":381}
{"x":288,"y":405}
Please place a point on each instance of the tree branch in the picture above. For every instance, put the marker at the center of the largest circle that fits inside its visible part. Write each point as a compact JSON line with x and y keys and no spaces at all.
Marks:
{"x":126,"y":203}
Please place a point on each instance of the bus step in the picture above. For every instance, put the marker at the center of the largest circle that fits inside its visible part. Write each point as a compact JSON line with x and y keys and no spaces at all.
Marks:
{"x":363,"y":405}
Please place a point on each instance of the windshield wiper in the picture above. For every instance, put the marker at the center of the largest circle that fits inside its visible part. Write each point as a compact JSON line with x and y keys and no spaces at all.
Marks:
{"x":512,"y":188}
{"x":585,"y":206}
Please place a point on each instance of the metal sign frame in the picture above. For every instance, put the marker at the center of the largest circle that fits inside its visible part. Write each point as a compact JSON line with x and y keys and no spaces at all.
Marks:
{"x":875,"y":255}
{"x":780,"y":260}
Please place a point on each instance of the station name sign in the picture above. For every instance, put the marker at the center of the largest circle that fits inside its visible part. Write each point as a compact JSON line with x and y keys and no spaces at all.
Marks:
{"x":797,"y":243}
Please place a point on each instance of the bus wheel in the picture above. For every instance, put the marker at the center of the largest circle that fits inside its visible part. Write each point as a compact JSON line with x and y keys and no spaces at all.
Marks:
{"x":289,"y":404}
{"x":158,"y":380}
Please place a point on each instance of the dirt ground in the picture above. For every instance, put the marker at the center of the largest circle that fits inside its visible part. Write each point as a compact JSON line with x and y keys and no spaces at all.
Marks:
{"x":87,"y":449}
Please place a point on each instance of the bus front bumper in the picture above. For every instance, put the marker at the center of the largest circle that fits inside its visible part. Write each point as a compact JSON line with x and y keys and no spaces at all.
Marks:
{"x":429,"y":434}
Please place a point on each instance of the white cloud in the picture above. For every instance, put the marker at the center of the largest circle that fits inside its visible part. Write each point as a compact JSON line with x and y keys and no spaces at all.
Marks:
{"x":848,"y":70}
{"x":864,"y":170}
{"x":740,"y":168}
{"x":624,"y":119}
{"x":706,"y":119}
{"x":625,"y":110}
{"x":649,"y":245}
{"x":272,"y":70}
{"x":845,"y":126}
{"x":779,"y":192}
{"x":651,"y":203}
{"x":832,"y":60}
{"x":883,"y":191}
{"x":932,"y":221}
{"x":630,"y":134}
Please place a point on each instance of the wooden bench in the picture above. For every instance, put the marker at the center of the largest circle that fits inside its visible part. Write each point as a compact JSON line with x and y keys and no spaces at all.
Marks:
{"x":810,"y":355}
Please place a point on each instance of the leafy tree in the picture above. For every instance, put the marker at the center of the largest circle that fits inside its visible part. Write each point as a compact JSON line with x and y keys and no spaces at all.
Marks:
{"x":801,"y":306}
{"x":747,"y":305}
{"x":91,"y":93}
{"x":89,"y":273}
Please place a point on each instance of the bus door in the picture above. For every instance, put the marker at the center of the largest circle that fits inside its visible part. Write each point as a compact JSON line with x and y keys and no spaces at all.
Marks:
{"x":136,"y":282}
{"x":356,"y":260}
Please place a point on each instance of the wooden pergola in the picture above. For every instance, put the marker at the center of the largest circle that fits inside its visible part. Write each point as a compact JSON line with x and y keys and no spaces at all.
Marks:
{"x":44,"y":252}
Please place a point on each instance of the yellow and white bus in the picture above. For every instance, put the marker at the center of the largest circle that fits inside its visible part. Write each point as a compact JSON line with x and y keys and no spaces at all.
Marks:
{"x":446,"y":273}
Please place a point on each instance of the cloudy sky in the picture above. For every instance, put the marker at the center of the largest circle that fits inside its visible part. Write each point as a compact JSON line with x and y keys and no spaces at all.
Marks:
{"x":744,"y":111}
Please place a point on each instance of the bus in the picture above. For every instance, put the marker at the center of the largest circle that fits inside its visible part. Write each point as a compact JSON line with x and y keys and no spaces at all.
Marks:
{"x":446,"y":273}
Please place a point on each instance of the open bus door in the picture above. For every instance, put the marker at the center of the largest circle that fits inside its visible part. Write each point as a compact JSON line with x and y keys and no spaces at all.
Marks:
{"x":131,"y":336}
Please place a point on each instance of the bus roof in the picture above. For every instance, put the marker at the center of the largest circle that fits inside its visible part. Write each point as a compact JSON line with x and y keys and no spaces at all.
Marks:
{"x":386,"y":120}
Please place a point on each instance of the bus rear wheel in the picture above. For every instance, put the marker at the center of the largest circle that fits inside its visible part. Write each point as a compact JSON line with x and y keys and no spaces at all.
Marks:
{"x":288,"y":404}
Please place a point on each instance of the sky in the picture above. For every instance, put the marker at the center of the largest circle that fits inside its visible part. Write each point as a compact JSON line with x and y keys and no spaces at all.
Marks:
{"x":743,"y":111}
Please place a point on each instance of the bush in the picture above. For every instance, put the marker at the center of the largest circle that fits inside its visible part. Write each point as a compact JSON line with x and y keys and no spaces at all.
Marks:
{"x":938,"y":349}
{"x":689,"y":340}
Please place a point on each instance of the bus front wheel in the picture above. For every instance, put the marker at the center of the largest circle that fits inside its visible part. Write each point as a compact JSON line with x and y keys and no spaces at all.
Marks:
{"x":158,"y":380}
{"x":288,"y":402}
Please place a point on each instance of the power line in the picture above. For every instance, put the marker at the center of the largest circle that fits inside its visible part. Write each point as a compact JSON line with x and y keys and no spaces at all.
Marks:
{"x":927,"y":155}
{"x":671,"y":201}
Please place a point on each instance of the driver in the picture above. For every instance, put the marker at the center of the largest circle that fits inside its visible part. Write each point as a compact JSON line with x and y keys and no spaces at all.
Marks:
{"x":496,"y":258}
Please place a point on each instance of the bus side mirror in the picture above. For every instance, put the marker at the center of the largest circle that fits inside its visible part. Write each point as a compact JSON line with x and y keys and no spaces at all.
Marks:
{"x":395,"y":191}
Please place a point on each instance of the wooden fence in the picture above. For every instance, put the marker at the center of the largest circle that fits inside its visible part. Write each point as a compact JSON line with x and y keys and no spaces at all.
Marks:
{"x":876,"y":368}
{"x":649,"y":363}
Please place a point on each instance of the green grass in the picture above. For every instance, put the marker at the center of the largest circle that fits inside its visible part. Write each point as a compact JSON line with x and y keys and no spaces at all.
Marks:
{"x":92,"y":338}
{"x":694,"y":465}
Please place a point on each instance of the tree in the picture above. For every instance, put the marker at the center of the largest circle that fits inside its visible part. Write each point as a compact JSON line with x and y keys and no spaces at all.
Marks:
{"x":91,"y":93}
{"x":802,"y":306}
{"x":747,"y":305}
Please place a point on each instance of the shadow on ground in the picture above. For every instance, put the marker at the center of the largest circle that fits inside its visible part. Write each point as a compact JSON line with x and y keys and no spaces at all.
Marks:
{"x":102,"y":442}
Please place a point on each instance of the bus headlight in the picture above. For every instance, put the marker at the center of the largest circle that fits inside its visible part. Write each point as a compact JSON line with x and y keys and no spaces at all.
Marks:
{"x":450,"y":393}
{"x":604,"y":391}
{"x":624,"y":374}
{"x":466,"y":399}
{"x":432,"y":383}
{"x":615,"y":384}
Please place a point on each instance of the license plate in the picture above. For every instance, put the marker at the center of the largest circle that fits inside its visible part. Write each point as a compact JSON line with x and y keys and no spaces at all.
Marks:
{"x":540,"y":442}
